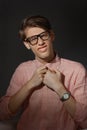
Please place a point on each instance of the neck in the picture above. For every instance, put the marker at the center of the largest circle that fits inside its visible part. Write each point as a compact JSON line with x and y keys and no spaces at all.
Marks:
{"x":47,"y":59}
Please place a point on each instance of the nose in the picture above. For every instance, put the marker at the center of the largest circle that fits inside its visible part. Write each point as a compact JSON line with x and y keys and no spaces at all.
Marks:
{"x":40,"y":41}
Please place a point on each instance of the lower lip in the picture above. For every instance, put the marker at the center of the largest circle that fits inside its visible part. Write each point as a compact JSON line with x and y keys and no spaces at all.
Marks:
{"x":43,"y":49}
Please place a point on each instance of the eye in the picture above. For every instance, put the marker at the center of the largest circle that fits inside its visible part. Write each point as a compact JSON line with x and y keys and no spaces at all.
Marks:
{"x":33,"y":38}
{"x":44,"y":35}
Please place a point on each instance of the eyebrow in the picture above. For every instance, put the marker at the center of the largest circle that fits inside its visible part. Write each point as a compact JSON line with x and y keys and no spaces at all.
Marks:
{"x":36,"y":35}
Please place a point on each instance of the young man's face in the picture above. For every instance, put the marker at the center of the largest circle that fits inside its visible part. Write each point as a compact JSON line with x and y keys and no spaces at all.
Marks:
{"x":40,"y":43}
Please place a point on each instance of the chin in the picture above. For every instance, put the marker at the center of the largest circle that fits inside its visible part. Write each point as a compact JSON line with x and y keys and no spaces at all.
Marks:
{"x":44,"y":55}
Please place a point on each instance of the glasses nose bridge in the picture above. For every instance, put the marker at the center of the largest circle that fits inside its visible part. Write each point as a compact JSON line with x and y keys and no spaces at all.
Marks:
{"x":40,"y":40}
{"x":39,"y":37}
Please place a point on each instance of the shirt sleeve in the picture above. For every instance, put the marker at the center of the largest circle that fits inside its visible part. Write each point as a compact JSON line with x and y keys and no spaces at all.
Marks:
{"x":4,"y":110}
{"x":80,"y":94}
{"x":21,"y":75}
{"x":17,"y":81}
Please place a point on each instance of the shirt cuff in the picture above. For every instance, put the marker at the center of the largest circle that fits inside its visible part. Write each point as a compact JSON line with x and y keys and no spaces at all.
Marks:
{"x":81,"y":113}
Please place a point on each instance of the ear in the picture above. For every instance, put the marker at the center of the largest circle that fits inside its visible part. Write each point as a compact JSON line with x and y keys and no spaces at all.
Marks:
{"x":26,"y":45}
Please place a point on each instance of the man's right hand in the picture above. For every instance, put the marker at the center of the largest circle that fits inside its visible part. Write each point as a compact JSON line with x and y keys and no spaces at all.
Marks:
{"x":38,"y":77}
{"x":18,"y":98}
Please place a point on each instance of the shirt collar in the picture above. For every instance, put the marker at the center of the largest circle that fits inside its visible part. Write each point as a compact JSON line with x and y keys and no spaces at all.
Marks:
{"x":56,"y":59}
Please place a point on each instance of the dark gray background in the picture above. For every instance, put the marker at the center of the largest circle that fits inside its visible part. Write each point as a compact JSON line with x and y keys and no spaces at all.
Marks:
{"x":69,"y":21}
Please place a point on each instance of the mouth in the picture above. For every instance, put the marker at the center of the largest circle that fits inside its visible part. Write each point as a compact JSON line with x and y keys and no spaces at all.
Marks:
{"x":42,"y":48}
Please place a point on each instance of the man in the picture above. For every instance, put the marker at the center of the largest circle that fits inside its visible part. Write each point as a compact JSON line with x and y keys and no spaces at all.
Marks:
{"x":51,"y":91}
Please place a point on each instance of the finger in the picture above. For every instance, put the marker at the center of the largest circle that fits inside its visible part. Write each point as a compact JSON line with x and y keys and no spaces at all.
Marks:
{"x":51,"y":70}
{"x":42,"y":68}
{"x":57,"y":71}
{"x":43,"y":71}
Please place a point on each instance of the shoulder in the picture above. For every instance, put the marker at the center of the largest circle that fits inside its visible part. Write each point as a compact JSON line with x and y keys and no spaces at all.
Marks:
{"x":74,"y":65}
{"x":23,"y":68}
{"x":26,"y":65}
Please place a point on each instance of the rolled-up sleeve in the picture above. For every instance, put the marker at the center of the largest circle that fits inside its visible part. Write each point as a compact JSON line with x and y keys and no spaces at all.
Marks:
{"x":4,"y":110}
{"x":81,"y":115}
{"x":16,"y":83}
{"x":80,"y":94}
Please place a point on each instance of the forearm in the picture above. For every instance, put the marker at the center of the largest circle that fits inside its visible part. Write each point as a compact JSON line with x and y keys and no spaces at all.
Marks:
{"x":69,"y":104}
{"x":17,"y":99}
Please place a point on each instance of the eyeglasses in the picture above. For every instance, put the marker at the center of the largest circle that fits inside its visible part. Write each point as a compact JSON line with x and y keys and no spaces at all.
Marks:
{"x":34,"y":39}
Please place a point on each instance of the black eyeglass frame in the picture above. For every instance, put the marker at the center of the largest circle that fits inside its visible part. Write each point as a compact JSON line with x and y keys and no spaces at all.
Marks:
{"x":37,"y":36}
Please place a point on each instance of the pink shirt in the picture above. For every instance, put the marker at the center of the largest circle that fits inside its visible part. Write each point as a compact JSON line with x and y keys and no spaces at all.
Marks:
{"x":43,"y":110}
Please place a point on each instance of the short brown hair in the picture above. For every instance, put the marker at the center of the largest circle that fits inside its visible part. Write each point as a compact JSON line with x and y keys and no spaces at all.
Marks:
{"x":34,"y":21}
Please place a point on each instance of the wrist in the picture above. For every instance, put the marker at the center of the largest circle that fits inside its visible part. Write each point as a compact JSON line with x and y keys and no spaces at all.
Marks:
{"x":65,"y":96}
{"x":63,"y":93}
{"x":29,"y":86}
{"x":60,"y":90}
